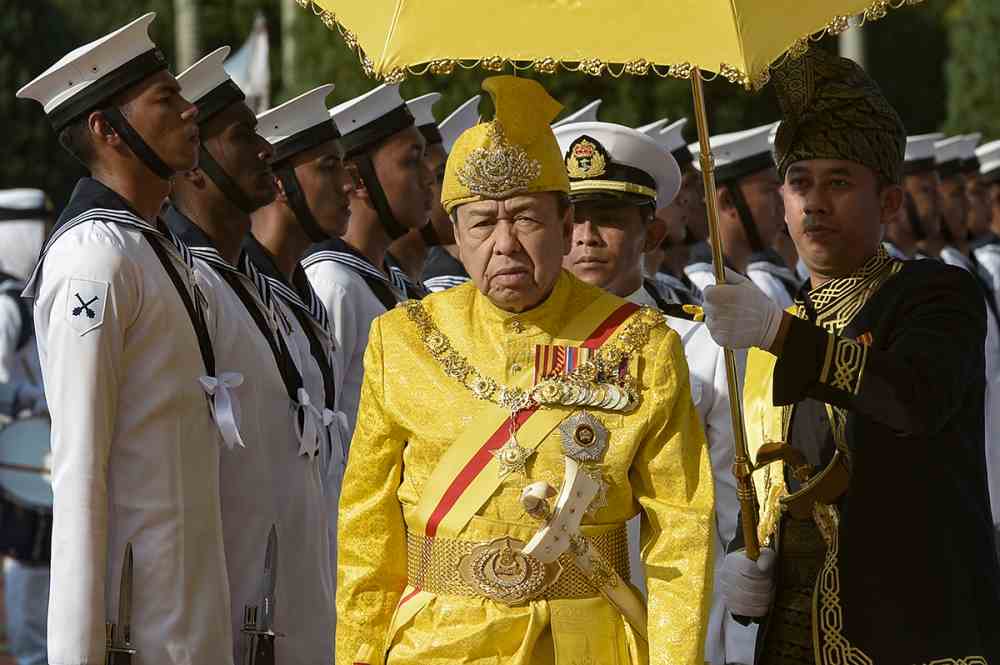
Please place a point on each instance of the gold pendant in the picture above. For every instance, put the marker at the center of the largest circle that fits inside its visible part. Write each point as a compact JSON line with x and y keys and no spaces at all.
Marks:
{"x":512,"y":457}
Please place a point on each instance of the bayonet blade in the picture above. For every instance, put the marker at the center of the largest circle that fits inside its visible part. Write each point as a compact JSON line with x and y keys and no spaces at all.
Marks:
{"x":125,"y":599}
{"x":270,"y":580}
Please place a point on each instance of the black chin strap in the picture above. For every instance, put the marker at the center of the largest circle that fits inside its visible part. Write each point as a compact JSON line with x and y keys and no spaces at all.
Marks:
{"x":223,"y":181}
{"x":366,"y":169}
{"x":139,"y":146}
{"x":746,"y":217}
{"x":297,"y":202}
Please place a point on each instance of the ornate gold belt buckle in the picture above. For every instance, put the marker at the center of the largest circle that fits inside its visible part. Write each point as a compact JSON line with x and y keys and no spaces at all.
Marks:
{"x":500,"y":571}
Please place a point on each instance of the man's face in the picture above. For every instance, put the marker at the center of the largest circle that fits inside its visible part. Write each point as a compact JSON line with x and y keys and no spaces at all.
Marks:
{"x":513,"y":248}
{"x":164,"y":119}
{"x":762,"y":192}
{"x":835,"y":213}
{"x":231,"y":138}
{"x":954,"y":206}
{"x":977,"y":199}
{"x":923,"y":189}
{"x":327,"y":182}
{"x":994,"y":196}
{"x":405,"y":178}
{"x":436,"y":158}
{"x":688,"y":208}
{"x":607,"y":245}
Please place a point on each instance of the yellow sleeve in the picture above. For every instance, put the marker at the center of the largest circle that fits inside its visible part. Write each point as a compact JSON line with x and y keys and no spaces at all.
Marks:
{"x":671,"y":477}
{"x":371,"y":535}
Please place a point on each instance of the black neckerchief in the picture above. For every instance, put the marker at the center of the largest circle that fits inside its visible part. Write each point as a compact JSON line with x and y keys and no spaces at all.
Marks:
{"x":201,"y":247}
{"x":440,"y":263}
{"x":258,"y":265}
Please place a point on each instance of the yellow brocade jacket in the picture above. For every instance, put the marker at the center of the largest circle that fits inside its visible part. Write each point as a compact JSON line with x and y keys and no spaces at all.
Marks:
{"x":411,"y":412}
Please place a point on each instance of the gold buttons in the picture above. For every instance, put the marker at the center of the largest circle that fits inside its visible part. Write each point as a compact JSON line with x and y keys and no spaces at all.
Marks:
{"x":516,"y":325}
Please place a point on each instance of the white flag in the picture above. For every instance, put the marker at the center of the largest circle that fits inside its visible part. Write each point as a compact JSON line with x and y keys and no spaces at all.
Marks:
{"x":250,"y":69}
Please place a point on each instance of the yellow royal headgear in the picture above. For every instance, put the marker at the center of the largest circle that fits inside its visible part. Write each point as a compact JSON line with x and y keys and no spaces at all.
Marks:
{"x":515,"y":153}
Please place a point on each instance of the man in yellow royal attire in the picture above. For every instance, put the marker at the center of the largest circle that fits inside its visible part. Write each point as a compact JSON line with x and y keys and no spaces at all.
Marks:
{"x":507,"y":430}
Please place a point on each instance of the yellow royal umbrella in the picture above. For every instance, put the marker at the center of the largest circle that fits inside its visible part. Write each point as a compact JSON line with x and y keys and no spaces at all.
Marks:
{"x":739,"y":40}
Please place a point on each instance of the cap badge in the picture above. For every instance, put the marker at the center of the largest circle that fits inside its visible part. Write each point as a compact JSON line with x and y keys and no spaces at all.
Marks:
{"x":499,"y":168}
{"x":586,"y":159}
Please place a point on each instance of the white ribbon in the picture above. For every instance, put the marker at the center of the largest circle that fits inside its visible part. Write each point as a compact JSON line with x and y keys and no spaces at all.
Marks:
{"x":225,"y":405}
{"x":312,"y":425}
{"x":336,"y":429}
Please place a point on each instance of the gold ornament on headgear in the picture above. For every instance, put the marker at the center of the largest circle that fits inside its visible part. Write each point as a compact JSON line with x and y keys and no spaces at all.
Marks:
{"x":515,"y":153}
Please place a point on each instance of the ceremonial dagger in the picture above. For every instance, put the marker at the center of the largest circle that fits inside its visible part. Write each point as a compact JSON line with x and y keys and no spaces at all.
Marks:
{"x":258,"y":621}
{"x":119,"y":635}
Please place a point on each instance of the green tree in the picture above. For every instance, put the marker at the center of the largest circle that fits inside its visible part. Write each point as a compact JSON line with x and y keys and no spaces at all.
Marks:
{"x":973,"y":71}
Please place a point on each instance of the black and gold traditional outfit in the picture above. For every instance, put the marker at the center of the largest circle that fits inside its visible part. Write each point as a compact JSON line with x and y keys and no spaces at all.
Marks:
{"x":867,"y":432}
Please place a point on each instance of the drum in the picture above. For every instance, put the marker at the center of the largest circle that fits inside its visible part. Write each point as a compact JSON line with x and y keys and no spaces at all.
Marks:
{"x":26,"y":491}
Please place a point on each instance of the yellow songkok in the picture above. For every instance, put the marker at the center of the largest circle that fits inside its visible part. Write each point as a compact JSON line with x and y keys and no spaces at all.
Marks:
{"x":515,"y":153}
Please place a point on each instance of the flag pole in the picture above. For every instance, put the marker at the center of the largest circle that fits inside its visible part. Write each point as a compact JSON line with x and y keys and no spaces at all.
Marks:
{"x":742,"y":469}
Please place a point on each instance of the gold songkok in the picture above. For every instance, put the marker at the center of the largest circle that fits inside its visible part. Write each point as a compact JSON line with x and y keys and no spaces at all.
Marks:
{"x":515,"y":153}
{"x":833,"y":110}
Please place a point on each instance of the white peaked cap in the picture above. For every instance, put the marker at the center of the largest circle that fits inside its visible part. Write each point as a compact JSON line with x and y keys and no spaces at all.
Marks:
{"x":78,"y":70}
{"x":587,"y":114}
{"x":22,"y":234}
{"x":989,"y":158}
{"x":921,"y":147}
{"x":628,"y":147}
{"x":672,"y":136}
{"x":204,"y":76}
{"x":652,"y":130}
{"x":296,"y":115}
{"x":956,"y":148}
{"x":422,"y":109}
{"x":362,"y":111}
{"x":25,"y":198}
{"x":461,"y":119}
{"x":735,"y":147}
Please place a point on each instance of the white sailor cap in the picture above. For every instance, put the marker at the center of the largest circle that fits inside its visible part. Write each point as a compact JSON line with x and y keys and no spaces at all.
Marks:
{"x":461,"y":119}
{"x":422,"y":109}
{"x":93,"y":73}
{"x":739,"y":154}
{"x":920,"y":153}
{"x":24,"y":203}
{"x":608,"y":160}
{"x":298,"y":124}
{"x":989,"y":161}
{"x":371,"y":117}
{"x":207,"y":85}
{"x":670,"y":137}
{"x":951,"y":155}
{"x":587,"y":114}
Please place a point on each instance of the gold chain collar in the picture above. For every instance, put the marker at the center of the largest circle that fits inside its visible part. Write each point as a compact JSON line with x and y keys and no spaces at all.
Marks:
{"x":597,"y":383}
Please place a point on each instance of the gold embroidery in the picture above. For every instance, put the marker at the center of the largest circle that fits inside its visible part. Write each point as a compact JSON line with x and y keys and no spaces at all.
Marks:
{"x":833,"y":646}
{"x":848,"y":365}
{"x":585,"y":159}
{"x":498,"y":169}
{"x":968,"y":660}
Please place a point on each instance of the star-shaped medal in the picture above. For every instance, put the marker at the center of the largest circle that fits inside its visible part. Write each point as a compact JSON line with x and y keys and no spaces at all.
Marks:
{"x":512,"y":458}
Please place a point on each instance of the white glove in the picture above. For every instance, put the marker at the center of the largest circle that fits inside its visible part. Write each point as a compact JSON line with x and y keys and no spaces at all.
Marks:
{"x":739,"y":315}
{"x":30,"y":398}
{"x":748,"y":586}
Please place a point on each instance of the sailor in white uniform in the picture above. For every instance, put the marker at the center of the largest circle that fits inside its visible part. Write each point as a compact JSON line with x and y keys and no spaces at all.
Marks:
{"x":270,"y":471}
{"x":25,"y":216}
{"x":313,"y":186}
{"x":443,"y":268}
{"x":751,"y":213}
{"x":618,"y":178}
{"x":125,"y":352}
{"x":988,"y":253}
{"x":351,"y":275}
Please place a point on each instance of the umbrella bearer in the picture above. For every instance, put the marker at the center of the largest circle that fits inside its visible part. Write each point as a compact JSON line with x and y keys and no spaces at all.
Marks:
{"x":619,"y":177}
{"x":751,"y":214}
{"x":864,"y":409}
{"x":268,"y":477}
{"x":481,"y":403}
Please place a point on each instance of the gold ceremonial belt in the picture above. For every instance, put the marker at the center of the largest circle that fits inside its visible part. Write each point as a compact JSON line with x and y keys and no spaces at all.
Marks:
{"x":500,"y":571}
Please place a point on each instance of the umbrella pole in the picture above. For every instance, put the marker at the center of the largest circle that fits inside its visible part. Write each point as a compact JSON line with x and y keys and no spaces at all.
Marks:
{"x":742,"y":469}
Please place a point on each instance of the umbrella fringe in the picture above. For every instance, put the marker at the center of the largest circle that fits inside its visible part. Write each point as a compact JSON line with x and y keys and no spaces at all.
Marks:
{"x":639,"y":67}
